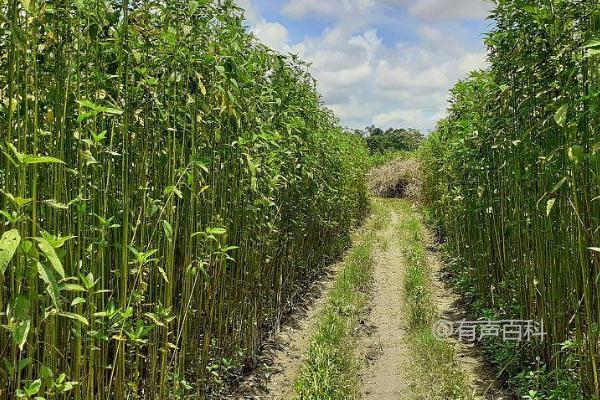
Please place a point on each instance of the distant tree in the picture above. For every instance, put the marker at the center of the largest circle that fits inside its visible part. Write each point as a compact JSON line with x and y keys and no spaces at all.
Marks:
{"x":381,"y":142}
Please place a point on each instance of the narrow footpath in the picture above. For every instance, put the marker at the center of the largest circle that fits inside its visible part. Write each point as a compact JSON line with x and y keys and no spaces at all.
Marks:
{"x":383,"y":347}
{"x":394,"y":357}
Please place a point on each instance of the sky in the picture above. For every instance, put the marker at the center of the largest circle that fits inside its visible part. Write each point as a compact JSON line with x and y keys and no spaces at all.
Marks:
{"x":388,"y":63}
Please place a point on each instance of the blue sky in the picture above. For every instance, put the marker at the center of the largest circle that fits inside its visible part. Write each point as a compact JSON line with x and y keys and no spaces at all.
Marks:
{"x":384,"y":62}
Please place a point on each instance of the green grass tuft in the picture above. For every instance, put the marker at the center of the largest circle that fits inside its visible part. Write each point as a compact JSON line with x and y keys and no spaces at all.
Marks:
{"x":330,"y":371}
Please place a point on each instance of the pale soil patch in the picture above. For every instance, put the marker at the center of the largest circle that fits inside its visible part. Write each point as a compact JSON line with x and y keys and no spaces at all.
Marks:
{"x":387,"y":365}
{"x":383,"y":347}
{"x":479,"y":375}
{"x":282,"y":355}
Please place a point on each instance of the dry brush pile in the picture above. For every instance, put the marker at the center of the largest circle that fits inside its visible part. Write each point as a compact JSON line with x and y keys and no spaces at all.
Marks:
{"x":398,"y":178}
{"x":166,"y":183}
{"x":514,"y":177}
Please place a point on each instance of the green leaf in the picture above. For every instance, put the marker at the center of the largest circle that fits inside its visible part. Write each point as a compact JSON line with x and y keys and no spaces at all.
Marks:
{"x":33,"y":387}
{"x":26,"y":4}
{"x":75,"y":317}
{"x":8,"y":366}
{"x":77,"y":300}
{"x":173,"y":189}
{"x":51,"y":285}
{"x":549,"y":206}
{"x":17,"y":201}
{"x":154,"y":318}
{"x":21,"y":332}
{"x":229,"y":248}
{"x":164,"y":274}
{"x":19,"y":156}
{"x":20,"y":201}
{"x":98,"y":108}
{"x":55,"y":204}
{"x":561,"y":115}
{"x":559,"y":184}
{"x":21,"y":307}
{"x":216,"y":231}
{"x":28,"y":160}
{"x":84,"y":116}
{"x":72,"y":287}
{"x":11,"y":218}
{"x":532,"y":9}
{"x":50,"y":254}
{"x":88,"y":104}
{"x":142,"y":257}
{"x":46,"y":372}
{"x":193,"y":6}
{"x":168,"y":230}
{"x":575,"y":154}
{"x":88,"y":280}
{"x":8,"y":245}
{"x":24,"y":363}
{"x":592,"y":43}
{"x":56,"y":241}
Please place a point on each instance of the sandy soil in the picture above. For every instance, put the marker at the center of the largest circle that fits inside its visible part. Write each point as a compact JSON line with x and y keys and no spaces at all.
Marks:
{"x":383,"y":347}
{"x":282,"y":355}
{"x":479,"y":375}
{"x":383,"y":353}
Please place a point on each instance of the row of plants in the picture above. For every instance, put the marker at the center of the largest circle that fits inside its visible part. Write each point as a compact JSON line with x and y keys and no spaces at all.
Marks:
{"x":167,"y":182}
{"x":330,"y":370}
{"x":512,"y":180}
{"x":435,"y":369}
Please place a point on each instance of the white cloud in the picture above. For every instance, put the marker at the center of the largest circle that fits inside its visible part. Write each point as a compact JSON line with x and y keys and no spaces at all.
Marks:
{"x":273,"y":34}
{"x":445,"y":10}
{"x":473,"y":61}
{"x":450,"y":9}
{"x":366,"y":80}
{"x":347,"y":77}
{"x":404,"y":76}
{"x":301,"y":8}
{"x":399,"y":118}
{"x":426,"y":9}
{"x":250,"y":11}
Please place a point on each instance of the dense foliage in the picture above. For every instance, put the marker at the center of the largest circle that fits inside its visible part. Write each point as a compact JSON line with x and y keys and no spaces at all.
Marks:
{"x":167,"y":183}
{"x":513,"y":175}
{"x":392,"y":140}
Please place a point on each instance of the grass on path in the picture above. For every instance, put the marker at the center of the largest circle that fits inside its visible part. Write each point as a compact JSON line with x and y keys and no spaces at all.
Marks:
{"x":330,"y":370}
{"x":437,"y":374}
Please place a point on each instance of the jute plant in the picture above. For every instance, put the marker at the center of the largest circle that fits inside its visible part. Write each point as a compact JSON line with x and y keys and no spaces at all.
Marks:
{"x":166,"y":184}
{"x":513,"y":174}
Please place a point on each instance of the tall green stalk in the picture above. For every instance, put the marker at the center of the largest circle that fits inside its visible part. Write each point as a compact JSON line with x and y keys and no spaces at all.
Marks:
{"x":168,"y":183}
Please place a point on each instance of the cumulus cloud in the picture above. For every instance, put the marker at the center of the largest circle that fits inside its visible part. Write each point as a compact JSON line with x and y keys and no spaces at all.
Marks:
{"x":450,"y":9}
{"x":425,"y":9}
{"x":273,"y":34}
{"x":365,"y":77}
{"x":399,"y":118}
{"x":250,"y":11}
{"x":404,"y":76}
{"x":302,"y":8}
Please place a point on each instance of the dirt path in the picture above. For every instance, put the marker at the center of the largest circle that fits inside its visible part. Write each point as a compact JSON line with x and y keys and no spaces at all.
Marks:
{"x":478,"y":374}
{"x":384,"y":349}
{"x":283,"y":354}
{"x":384,"y":354}
{"x":388,"y":369}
